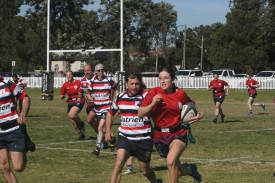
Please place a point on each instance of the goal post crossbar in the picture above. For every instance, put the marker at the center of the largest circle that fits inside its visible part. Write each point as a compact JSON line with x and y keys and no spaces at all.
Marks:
{"x":81,"y":50}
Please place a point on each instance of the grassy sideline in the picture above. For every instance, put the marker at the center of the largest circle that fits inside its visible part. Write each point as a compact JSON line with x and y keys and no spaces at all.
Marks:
{"x":239,"y":150}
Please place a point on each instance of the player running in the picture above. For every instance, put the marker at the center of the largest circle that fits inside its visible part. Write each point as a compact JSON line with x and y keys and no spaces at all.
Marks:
{"x":12,"y":138}
{"x":252,"y":84}
{"x":217,"y":85}
{"x":71,"y":88}
{"x":101,"y":90}
{"x":134,"y":137}
{"x":85,"y":82}
{"x":164,"y":104}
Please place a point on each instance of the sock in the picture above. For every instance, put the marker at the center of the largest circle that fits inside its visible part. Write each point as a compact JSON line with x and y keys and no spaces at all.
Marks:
{"x":250,"y":111}
{"x":216,"y":117}
{"x":98,"y":145}
{"x":130,"y":167}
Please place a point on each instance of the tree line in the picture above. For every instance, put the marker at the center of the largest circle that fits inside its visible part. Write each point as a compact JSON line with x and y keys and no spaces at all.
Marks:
{"x":246,"y":42}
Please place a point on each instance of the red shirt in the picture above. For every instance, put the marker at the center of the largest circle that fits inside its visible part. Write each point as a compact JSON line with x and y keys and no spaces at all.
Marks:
{"x":218,"y":87}
{"x":167,"y":112}
{"x":72,"y":90}
{"x":249,"y":83}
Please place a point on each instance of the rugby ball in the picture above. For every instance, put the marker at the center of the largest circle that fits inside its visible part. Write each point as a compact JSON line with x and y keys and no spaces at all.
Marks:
{"x":188,"y":111}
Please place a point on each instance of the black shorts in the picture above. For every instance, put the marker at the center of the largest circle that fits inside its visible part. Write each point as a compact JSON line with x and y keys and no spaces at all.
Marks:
{"x":13,"y":141}
{"x":101,"y":115}
{"x":163,"y":149}
{"x":218,"y":99}
{"x":79,"y":105}
{"x":90,"y":108}
{"x":253,"y":95}
{"x":142,"y":149}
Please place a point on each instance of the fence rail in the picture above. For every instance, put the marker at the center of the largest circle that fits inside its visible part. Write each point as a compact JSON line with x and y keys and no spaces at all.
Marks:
{"x":187,"y":83}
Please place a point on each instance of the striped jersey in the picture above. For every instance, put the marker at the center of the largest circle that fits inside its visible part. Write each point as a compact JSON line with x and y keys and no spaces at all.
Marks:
{"x":101,"y":90}
{"x":85,"y":82}
{"x":8,"y":112}
{"x":132,"y":127}
{"x":20,"y":83}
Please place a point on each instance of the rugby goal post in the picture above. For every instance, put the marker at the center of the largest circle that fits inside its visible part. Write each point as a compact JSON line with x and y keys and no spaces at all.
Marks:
{"x":45,"y":92}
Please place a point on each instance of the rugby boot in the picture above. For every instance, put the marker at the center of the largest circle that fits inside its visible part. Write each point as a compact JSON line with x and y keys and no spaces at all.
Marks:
{"x":215,"y":120}
{"x":30,"y":146}
{"x":250,"y":114}
{"x":104,"y":144}
{"x":96,"y":151}
{"x":128,"y":171}
{"x":222,"y":118}
{"x":263,"y":106}
{"x":113,"y":144}
{"x":81,"y":137}
{"x":195,"y":174}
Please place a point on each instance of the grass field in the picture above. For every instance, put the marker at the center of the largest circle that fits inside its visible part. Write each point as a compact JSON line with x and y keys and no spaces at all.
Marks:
{"x":240,"y":150}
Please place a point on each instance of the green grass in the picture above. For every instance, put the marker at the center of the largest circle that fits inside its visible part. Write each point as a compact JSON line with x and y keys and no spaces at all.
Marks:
{"x":240,"y":150}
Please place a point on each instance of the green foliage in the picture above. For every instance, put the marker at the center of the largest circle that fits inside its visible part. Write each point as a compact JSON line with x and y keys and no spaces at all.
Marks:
{"x":245,"y":42}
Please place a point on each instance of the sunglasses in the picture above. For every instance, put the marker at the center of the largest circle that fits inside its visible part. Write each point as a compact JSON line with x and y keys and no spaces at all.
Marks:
{"x":100,"y":70}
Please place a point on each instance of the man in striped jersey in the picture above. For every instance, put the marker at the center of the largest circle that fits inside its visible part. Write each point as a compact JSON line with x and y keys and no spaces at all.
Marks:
{"x":85,"y":82}
{"x":134,"y":137}
{"x":12,"y":141}
{"x":101,"y":90}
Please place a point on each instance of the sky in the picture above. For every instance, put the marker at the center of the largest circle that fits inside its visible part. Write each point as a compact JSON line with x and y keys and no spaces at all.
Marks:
{"x":193,"y":13}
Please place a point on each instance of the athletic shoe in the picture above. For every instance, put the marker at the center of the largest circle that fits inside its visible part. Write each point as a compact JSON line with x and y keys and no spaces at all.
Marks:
{"x":96,"y":151}
{"x":30,"y":146}
{"x":222,"y":120}
{"x":215,"y":120}
{"x":128,"y":172}
{"x":195,"y":174}
{"x":104,"y":145}
{"x":250,"y":114}
{"x":81,"y":137}
{"x":263,"y":106}
{"x":112,"y":147}
{"x":158,"y":181}
{"x":113,"y":144}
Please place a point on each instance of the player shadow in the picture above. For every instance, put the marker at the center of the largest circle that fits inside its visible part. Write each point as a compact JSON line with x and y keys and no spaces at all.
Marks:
{"x":117,"y":124}
{"x":37,"y":116}
{"x":164,"y":167}
{"x":232,"y":121}
{"x":263,"y":113}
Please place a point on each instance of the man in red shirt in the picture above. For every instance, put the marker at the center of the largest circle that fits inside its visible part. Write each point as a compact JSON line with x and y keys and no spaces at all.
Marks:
{"x":217,"y":86}
{"x":252,"y":84}
{"x":71,"y":87}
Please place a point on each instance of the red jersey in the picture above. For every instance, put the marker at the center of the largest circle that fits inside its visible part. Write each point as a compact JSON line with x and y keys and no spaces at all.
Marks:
{"x":249,"y":83}
{"x":85,"y":82}
{"x":218,"y":87}
{"x":72,"y":90}
{"x":166,"y":113}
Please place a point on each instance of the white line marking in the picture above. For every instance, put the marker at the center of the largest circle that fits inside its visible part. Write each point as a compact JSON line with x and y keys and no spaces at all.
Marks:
{"x":199,"y":160}
{"x":238,"y":131}
{"x":69,"y":142}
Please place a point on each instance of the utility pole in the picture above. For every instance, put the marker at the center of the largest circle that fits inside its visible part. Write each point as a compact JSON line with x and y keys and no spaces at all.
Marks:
{"x":184,"y":45}
{"x":201,"y":51}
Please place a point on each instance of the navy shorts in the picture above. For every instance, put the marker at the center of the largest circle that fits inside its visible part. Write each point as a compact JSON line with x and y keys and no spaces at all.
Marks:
{"x":90,"y":108}
{"x":218,"y":99}
{"x":142,"y":149}
{"x":253,"y":95}
{"x":13,"y":141}
{"x":79,"y":105}
{"x":163,"y":149}
{"x":101,"y":115}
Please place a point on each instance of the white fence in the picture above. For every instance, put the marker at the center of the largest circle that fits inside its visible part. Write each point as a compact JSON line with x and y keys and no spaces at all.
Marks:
{"x":187,"y":83}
